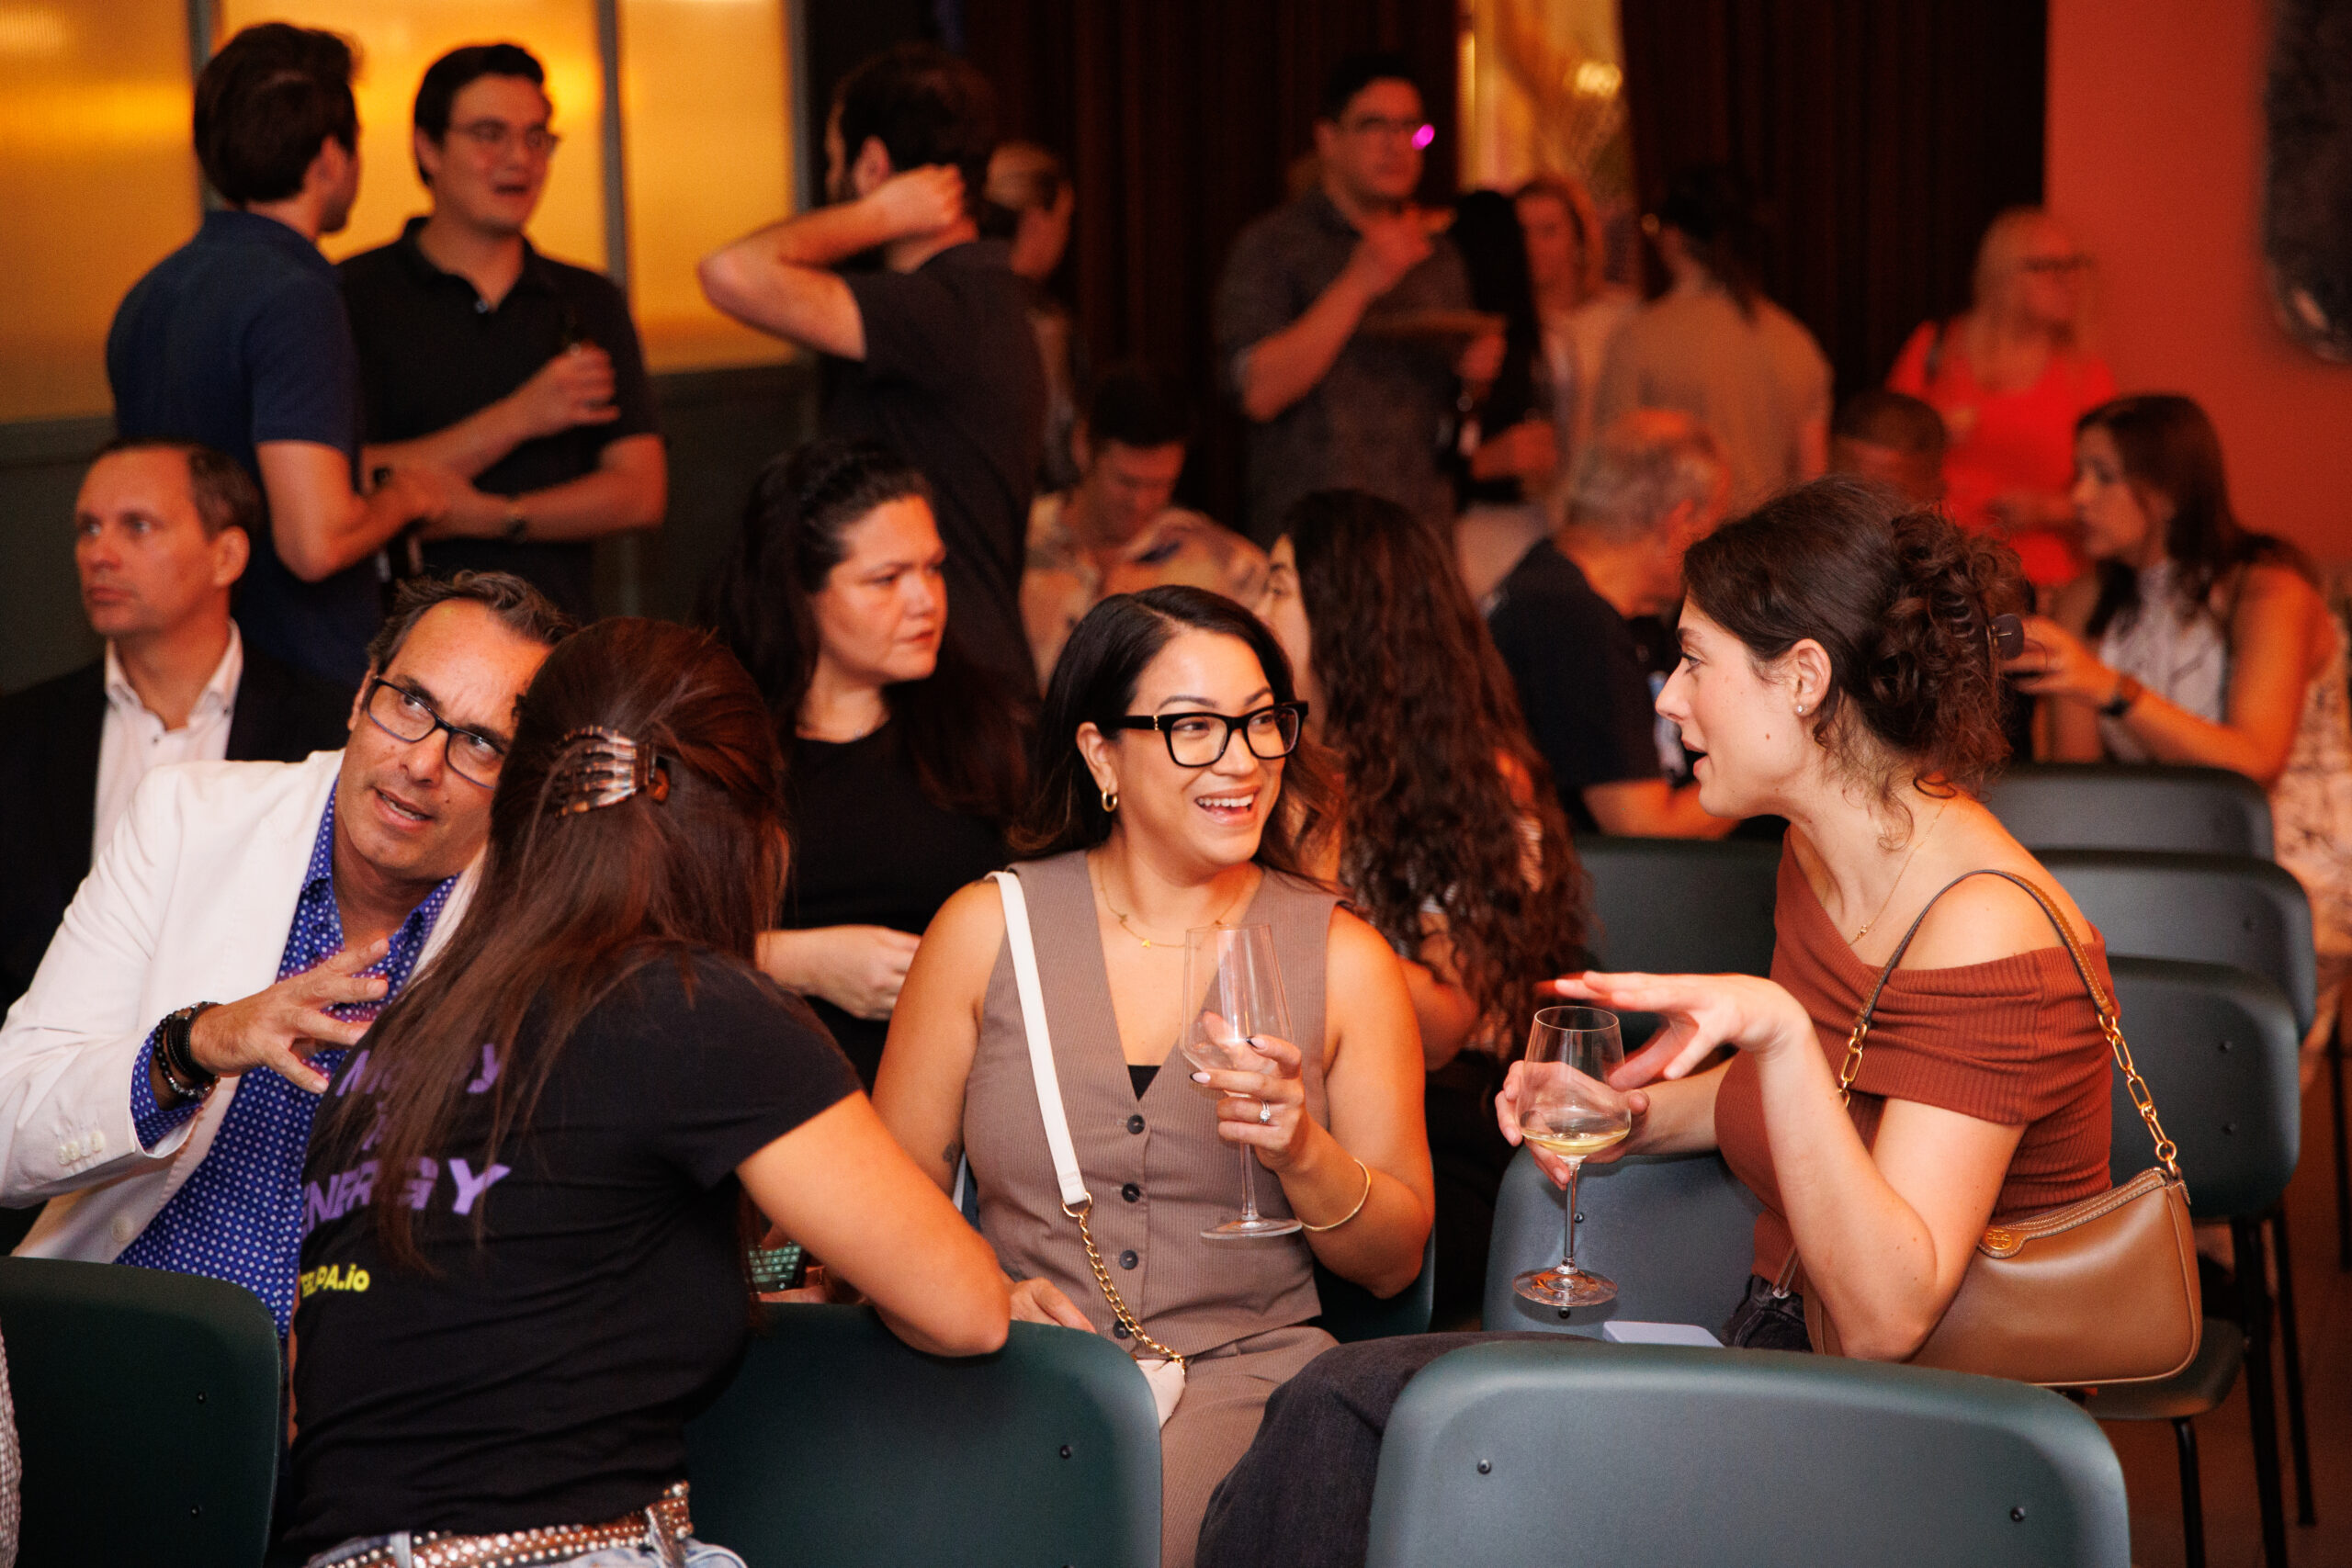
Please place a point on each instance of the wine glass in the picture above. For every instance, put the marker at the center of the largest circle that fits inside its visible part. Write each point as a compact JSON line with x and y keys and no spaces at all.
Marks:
{"x":1235,"y":989}
{"x":1567,"y":1106}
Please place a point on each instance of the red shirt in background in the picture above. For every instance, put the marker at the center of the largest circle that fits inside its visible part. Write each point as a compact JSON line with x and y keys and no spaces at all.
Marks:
{"x":2002,"y":441}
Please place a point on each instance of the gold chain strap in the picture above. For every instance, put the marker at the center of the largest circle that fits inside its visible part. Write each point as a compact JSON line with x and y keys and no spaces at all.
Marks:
{"x":1111,"y":1292}
{"x":2142,"y":1099}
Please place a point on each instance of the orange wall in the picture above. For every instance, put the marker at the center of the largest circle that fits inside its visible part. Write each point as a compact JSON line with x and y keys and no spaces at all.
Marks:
{"x":2155,"y":159}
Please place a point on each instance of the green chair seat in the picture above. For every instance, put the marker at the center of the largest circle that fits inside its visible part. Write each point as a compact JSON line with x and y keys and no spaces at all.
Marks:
{"x":838,"y":1445}
{"x":148,"y":1412}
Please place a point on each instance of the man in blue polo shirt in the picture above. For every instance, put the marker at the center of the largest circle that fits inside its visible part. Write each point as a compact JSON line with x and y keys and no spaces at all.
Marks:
{"x":238,"y":340}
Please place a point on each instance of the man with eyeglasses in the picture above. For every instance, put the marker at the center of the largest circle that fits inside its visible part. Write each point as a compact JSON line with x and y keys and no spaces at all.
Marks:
{"x":1342,"y":320}
{"x":240,"y":930}
{"x":479,"y":355}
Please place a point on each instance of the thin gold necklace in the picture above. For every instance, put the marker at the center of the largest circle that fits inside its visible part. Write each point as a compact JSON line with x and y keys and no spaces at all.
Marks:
{"x":1915,"y":846}
{"x":1103,"y":886}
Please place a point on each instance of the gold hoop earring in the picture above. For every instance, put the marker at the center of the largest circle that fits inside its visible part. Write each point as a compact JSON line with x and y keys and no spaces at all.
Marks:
{"x":1110,"y":803}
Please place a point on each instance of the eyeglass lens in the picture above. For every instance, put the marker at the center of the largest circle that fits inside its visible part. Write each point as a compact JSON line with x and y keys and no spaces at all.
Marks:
{"x":405,"y":716}
{"x":1200,"y":739}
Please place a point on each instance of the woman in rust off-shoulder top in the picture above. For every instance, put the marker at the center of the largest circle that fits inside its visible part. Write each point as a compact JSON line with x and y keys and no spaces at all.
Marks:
{"x":1837,"y":670}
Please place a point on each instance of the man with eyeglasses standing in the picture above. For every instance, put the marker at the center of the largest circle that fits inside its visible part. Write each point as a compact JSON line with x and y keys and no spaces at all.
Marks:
{"x":481,"y":356}
{"x":1343,"y":322}
{"x":240,"y":930}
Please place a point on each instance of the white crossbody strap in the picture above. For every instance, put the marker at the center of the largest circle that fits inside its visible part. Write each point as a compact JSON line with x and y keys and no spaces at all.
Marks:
{"x":1040,"y":1044}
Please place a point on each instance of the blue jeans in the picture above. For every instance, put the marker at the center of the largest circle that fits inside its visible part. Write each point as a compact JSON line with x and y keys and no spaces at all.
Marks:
{"x":700,"y":1554}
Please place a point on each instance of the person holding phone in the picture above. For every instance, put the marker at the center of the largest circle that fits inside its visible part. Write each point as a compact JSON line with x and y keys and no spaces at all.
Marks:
{"x":519,"y":374}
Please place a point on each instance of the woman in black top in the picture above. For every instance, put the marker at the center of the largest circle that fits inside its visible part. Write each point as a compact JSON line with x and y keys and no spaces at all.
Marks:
{"x":523,"y":1268}
{"x":906,"y":759}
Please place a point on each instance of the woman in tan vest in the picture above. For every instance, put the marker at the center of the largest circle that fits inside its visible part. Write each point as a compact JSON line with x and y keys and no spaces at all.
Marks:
{"x":1136,"y":849}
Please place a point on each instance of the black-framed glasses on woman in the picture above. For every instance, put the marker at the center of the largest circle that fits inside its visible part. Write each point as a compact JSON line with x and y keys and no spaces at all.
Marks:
{"x":406,"y":716}
{"x":1201,"y":740}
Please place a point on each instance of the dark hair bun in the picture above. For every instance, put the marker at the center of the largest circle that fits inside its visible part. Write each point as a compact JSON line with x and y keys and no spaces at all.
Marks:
{"x":1902,"y":601}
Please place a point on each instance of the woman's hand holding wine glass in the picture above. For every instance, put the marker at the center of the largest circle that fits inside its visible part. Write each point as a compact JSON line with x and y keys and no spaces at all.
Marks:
{"x":1568,"y":1107}
{"x":1263,"y":1100}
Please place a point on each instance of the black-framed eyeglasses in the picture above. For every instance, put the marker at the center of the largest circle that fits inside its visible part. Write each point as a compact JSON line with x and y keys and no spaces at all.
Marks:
{"x":1201,"y":740}
{"x":404,"y":716}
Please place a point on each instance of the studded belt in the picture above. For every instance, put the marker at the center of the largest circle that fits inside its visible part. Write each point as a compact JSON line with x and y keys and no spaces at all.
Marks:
{"x":664,"y":1526}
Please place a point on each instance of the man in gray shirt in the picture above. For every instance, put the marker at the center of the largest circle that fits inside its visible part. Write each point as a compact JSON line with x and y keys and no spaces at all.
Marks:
{"x":1325,"y":317}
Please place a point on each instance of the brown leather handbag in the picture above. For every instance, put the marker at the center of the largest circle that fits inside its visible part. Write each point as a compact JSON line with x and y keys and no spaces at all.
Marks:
{"x":2103,"y":1291}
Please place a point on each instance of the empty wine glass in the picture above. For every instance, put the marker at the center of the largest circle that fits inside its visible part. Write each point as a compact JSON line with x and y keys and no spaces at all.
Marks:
{"x":1235,"y":989}
{"x":1567,"y":1106}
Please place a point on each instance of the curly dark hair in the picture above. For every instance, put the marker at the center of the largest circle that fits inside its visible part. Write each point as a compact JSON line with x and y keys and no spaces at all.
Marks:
{"x":1423,"y":719}
{"x":1094,"y":681}
{"x":1903,"y":602}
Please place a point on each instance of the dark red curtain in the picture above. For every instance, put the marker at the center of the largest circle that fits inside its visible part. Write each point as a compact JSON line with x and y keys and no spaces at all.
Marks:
{"x":1178,"y":119}
{"x":1883,"y":136}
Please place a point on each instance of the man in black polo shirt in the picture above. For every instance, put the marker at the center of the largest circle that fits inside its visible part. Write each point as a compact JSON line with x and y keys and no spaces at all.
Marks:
{"x":238,"y":341}
{"x":1645,"y":489}
{"x":933,"y":354}
{"x":480,"y":356}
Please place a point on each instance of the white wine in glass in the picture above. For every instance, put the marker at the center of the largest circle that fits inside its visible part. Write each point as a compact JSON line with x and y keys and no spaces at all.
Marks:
{"x":1567,"y":1106}
{"x":1235,"y":990}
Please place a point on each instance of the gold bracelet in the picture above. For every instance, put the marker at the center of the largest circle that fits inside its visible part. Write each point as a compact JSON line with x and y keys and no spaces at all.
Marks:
{"x":1351,"y":1213}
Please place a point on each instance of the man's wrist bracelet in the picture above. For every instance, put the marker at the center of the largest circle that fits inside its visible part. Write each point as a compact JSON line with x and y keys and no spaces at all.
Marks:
{"x":175,"y":1058}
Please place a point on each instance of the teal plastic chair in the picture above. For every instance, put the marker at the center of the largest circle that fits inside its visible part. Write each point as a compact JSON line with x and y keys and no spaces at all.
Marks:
{"x":2219,"y":1048}
{"x":1676,"y":1232}
{"x":1577,"y":1451}
{"x":1682,"y":906}
{"x":2132,"y":806}
{"x":838,"y":1445}
{"x":147,"y":1411}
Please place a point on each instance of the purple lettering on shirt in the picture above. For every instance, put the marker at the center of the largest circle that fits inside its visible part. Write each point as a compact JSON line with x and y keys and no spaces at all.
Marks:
{"x":470,"y":1186}
{"x":489,"y":1070}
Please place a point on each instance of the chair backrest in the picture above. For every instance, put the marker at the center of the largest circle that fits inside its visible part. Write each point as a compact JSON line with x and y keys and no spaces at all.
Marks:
{"x":147,"y":1412}
{"x":2220,"y":1051}
{"x":1524,"y":1451}
{"x":1682,"y":906}
{"x":838,"y":1445}
{"x":1351,"y":1312}
{"x":2132,"y":806}
{"x":2232,"y":909}
{"x":1676,"y":1232}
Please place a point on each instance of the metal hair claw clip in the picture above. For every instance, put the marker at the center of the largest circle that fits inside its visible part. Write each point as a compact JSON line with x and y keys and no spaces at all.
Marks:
{"x":601,"y":767}
{"x":2008,"y":633}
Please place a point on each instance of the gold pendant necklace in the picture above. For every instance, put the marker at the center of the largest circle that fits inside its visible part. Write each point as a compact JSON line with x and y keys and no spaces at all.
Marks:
{"x":1916,"y":845}
{"x":1103,"y":888}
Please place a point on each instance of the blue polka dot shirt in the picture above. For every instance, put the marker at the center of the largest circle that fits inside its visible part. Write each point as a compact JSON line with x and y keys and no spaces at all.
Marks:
{"x":239,"y":1215}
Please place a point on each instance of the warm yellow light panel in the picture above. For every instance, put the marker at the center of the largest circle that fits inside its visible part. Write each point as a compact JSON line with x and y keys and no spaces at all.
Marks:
{"x":98,"y":181}
{"x":705,"y":94}
{"x":397,"y":39}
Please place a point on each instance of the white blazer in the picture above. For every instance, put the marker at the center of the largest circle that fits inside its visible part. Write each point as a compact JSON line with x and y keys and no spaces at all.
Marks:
{"x":190,"y":901}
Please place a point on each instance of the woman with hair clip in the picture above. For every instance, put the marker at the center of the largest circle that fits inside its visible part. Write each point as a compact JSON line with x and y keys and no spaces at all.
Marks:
{"x":1173,"y":793}
{"x":1839,"y":670}
{"x":904,"y":759}
{"x":525,"y":1267}
{"x":1449,"y":840}
{"x":2195,"y":640}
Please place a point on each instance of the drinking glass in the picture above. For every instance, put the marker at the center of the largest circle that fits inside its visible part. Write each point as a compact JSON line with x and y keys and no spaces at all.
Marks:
{"x":1567,"y":1106}
{"x":1236,"y":992}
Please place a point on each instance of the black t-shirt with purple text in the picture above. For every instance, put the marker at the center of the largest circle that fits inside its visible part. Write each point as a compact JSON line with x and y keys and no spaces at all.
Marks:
{"x":587,"y":1294}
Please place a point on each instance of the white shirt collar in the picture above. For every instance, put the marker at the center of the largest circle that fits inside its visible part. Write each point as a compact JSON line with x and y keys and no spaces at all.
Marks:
{"x":219,"y":691}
